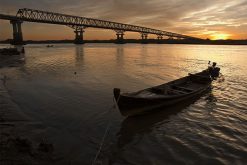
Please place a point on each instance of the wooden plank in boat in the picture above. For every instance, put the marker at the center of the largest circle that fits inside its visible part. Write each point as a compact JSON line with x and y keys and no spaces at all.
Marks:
{"x":177,"y":91}
{"x":182,"y":88}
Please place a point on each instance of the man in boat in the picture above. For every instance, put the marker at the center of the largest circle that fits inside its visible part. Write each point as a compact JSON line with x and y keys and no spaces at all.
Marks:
{"x":214,"y":71}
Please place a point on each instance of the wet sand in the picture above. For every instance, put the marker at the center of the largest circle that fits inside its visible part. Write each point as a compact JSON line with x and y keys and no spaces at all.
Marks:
{"x":20,"y":140}
{"x":11,"y":61}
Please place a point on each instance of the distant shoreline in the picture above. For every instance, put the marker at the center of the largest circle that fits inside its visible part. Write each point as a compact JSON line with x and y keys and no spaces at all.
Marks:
{"x":149,"y":41}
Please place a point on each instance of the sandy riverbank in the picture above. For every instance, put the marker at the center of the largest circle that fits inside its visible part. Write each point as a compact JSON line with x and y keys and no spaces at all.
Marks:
{"x":21,"y":139}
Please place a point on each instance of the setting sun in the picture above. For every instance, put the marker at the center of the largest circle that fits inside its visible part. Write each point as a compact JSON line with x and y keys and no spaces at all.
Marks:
{"x":220,"y":36}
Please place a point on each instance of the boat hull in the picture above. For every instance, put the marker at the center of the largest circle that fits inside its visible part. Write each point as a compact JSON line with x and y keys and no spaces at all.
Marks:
{"x":131,"y":104}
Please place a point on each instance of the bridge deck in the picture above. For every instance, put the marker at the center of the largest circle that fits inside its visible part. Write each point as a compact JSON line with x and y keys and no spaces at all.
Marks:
{"x":30,"y":15}
{"x":8,"y":17}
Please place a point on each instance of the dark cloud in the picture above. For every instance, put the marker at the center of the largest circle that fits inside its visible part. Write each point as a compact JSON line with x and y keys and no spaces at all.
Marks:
{"x":183,"y":16}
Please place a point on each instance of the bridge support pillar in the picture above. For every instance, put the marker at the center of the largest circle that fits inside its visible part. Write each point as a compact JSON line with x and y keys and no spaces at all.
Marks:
{"x":17,"y":33}
{"x":120,"y":37}
{"x":79,"y":35}
{"x":160,"y":38}
{"x":144,"y":38}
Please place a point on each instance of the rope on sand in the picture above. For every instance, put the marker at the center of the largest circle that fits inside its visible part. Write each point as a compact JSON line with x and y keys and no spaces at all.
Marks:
{"x":105,"y":134}
{"x":102,"y":142}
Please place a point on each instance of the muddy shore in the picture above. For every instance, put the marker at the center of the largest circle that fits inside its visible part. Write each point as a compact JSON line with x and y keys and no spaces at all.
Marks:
{"x":11,"y":61}
{"x":20,"y":140}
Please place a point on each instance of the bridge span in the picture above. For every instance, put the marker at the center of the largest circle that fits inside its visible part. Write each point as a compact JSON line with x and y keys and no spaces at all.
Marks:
{"x":79,"y":24}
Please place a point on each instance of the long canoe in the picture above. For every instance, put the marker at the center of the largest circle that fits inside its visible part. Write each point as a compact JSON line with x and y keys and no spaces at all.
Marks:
{"x":165,"y":95}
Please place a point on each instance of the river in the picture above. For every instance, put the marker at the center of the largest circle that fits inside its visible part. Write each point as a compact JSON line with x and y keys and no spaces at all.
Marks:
{"x":68,"y":89}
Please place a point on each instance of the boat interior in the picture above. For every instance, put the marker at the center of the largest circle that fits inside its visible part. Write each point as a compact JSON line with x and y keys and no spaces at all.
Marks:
{"x":182,"y":86}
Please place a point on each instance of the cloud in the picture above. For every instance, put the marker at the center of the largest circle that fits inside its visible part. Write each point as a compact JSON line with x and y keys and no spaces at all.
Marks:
{"x":182,"y":16}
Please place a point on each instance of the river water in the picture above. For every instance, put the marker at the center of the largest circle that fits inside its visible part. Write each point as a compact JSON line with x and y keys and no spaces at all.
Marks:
{"x":68,"y":89}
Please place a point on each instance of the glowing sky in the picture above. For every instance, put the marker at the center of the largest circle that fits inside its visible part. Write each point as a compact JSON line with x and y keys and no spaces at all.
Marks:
{"x":214,"y":19}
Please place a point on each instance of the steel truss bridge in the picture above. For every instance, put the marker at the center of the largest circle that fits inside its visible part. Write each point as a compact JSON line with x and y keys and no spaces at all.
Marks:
{"x":79,"y":24}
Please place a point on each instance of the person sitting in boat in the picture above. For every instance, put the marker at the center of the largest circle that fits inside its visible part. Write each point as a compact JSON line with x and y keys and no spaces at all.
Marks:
{"x":214,"y":71}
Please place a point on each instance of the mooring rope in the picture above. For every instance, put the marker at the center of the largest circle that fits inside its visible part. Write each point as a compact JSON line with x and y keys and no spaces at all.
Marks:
{"x":105,"y":134}
{"x":102,"y":143}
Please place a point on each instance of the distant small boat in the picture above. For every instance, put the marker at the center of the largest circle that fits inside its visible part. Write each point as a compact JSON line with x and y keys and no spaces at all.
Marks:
{"x":165,"y":95}
{"x":49,"y":46}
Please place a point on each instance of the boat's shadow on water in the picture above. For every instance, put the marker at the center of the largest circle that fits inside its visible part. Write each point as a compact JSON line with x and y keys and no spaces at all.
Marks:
{"x":133,"y":129}
{"x":146,"y":123}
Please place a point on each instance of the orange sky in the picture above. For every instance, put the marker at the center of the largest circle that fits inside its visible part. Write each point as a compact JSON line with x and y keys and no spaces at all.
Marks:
{"x":214,"y":19}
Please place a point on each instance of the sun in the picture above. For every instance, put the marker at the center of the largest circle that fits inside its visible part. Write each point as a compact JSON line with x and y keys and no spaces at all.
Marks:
{"x":219,"y":36}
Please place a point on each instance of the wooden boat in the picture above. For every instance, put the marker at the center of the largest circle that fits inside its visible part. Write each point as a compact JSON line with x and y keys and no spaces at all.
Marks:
{"x":166,"y":95}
